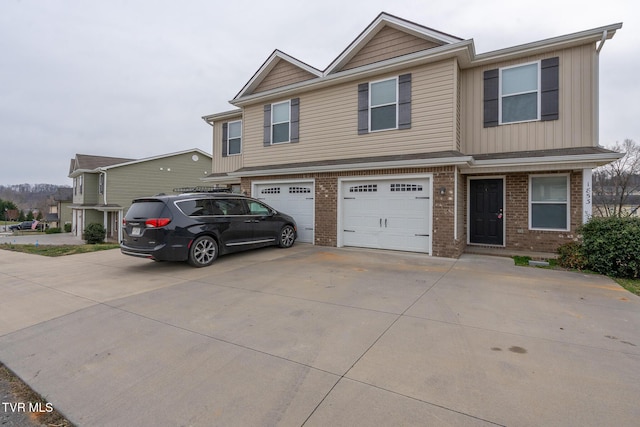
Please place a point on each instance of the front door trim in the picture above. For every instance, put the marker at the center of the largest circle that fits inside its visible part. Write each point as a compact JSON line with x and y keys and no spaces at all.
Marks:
{"x":504,"y":209}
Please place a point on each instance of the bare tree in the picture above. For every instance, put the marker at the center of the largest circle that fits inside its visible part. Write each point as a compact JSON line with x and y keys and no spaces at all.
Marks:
{"x":616,"y":186}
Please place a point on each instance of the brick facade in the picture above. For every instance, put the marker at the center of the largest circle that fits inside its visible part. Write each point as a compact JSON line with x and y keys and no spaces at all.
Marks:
{"x":518,"y":236}
{"x":444,"y":243}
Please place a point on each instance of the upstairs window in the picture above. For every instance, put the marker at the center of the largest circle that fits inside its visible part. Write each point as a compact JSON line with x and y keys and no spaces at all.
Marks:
{"x":519,"y":93}
{"x":522,"y":93}
{"x":234,"y":143}
{"x":232,"y":138}
{"x":383,"y":105}
{"x":280,"y":122}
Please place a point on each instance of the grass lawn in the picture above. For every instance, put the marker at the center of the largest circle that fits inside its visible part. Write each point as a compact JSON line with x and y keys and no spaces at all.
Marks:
{"x":58,"y":250}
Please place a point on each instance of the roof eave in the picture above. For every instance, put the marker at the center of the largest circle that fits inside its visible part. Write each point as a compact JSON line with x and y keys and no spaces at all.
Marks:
{"x":448,"y":161}
{"x":461,"y":49}
{"x":566,"y":162}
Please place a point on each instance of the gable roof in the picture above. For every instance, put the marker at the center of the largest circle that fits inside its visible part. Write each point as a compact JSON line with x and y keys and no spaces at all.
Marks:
{"x":87,"y":162}
{"x":93,"y":164}
{"x":382,"y":21}
{"x":270,"y":64}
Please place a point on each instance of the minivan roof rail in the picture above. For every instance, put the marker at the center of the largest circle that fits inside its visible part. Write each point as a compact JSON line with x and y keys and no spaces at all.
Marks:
{"x":202,"y":189}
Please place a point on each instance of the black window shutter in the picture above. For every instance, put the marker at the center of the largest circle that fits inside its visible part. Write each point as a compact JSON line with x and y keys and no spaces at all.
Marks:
{"x":295,"y":119}
{"x":267,"y":125}
{"x":363,"y":108}
{"x":549,"y":89}
{"x":491,"y":88}
{"x":225,"y":138}
{"x":404,"y":101}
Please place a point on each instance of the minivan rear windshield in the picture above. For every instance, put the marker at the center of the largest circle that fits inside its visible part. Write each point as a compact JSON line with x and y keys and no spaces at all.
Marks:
{"x":145,"y":209}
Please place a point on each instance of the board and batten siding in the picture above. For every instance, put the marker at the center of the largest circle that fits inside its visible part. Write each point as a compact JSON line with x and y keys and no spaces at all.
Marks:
{"x":329,"y":122}
{"x":151,"y":177}
{"x":229,"y":163}
{"x":577,"y":123}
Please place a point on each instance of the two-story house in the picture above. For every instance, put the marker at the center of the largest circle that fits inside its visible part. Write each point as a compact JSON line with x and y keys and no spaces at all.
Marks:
{"x":103,"y":187}
{"x":409,"y":140}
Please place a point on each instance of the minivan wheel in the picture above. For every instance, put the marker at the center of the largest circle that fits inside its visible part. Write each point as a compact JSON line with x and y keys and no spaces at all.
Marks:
{"x":287,"y":236}
{"x":203,"y":251}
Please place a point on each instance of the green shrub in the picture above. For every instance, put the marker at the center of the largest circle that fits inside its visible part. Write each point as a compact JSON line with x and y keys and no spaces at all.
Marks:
{"x":53,"y":230}
{"x":612,"y":246}
{"x":94,"y":233}
{"x":67,"y":228}
{"x":571,"y":255}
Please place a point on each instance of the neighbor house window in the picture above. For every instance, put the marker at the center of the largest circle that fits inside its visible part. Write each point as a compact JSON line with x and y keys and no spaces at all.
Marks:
{"x":234,"y":141}
{"x":519,"y":93}
{"x":549,"y":202}
{"x":383,"y":104}
{"x":280,"y":122}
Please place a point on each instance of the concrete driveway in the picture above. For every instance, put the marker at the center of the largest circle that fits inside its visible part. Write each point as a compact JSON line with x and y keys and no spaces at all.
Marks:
{"x":320,"y":336}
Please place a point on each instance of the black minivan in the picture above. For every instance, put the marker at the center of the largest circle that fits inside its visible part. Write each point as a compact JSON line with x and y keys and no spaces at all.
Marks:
{"x":197,"y":227}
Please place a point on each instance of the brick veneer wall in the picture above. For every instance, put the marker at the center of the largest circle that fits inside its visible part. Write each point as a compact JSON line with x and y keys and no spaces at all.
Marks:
{"x":444,"y":243}
{"x":517,"y":233}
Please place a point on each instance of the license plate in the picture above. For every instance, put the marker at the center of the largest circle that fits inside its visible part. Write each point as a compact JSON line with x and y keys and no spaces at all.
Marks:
{"x":136,"y":231}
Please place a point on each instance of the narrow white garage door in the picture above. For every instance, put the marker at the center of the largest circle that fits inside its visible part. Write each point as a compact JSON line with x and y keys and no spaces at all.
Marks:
{"x":295,"y":199}
{"x":387,"y":214}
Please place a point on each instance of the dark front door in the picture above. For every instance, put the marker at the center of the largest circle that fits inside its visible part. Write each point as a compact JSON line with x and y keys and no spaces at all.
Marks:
{"x":485,"y":199}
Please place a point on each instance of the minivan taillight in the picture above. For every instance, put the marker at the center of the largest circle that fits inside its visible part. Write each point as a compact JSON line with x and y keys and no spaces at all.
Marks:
{"x":157,"y":222}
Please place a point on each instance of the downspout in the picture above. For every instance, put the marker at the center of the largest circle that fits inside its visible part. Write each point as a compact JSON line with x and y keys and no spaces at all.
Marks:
{"x":604,"y":38}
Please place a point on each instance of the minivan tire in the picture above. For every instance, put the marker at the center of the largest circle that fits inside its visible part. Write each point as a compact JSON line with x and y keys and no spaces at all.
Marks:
{"x":203,"y":251}
{"x":287,"y":237}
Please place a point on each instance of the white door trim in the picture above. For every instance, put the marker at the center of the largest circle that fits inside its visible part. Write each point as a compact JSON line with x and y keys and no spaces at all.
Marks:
{"x":505,"y":213}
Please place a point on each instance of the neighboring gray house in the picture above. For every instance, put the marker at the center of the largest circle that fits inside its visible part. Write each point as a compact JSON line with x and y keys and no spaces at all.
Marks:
{"x":103,"y":187}
{"x":59,"y":212}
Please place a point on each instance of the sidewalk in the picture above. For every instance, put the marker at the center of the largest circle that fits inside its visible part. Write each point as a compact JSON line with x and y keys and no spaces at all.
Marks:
{"x":40,"y":239}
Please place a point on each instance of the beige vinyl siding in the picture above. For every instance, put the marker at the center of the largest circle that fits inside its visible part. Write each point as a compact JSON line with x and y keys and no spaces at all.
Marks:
{"x":329,"y":123}
{"x":388,"y":43}
{"x":284,"y":73}
{"x":151,"y":177}
{"x":229,"y":163}
{"x":575,"y":127}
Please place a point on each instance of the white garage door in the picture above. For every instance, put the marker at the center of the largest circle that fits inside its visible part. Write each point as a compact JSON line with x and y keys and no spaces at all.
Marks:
{"x":292,"y":198}
{"x":387,"y":214}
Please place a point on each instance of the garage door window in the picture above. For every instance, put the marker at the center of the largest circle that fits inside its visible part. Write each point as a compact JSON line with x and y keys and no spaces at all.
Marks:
{"x":406,"y":187}
{"x":369,"y":188}
{"x":273,"y":190}
{"x":294,"y":190}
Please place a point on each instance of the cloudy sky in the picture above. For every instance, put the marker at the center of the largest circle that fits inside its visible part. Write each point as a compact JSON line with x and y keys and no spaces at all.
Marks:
{"x":132,"y":78}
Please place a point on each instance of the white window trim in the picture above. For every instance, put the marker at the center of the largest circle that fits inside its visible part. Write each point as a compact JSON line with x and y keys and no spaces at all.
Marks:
{"x":273,"y":123}
{"x":384,"y":105}
{"x":538,"y":91}
{"x":229,"y":138}
{"x":568,"y":202}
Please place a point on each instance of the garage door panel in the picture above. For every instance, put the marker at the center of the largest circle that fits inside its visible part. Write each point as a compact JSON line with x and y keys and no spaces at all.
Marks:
{"x":387,"y":214}
{"x":295,"y":199}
